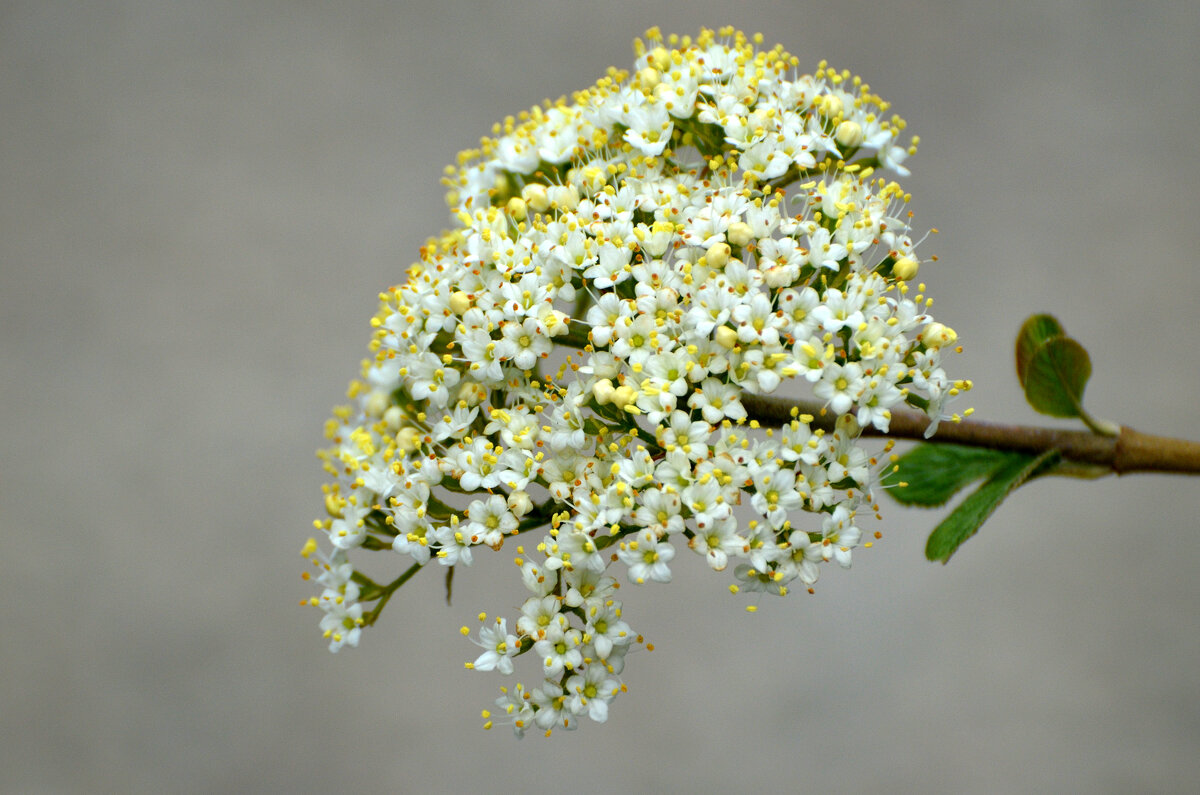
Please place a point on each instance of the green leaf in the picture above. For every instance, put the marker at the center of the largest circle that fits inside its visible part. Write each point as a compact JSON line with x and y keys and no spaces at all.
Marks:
{"x":1034,"y":332}
{"x":935,"y":472}
{"x":1056,"y":376}
{"x":967,"y":518}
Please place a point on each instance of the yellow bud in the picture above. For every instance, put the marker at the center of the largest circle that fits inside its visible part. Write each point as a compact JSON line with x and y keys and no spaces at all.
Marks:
{"x":905,"y":268}
{"x":936,"y":335}
{"x":393,"y":417}
{"x":726,"y":337}
{"x":739,"y":233}
{"x":516,"y":208}
{"x":717,"y":255}
{"x":849,"y":133}
{"x":649,"y":78}
{"x":622,"y":396}
{"x":459,"y":302}
{"x":603,"y":391}
{"x":536,"y":198}
{"x":408,"y":439}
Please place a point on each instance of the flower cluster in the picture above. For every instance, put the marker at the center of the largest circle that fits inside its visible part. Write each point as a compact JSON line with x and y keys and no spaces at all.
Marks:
{"x":572,"y":358}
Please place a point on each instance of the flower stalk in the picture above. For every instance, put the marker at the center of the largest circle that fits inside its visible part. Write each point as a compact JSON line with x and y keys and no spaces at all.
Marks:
{"x":1129,"y":452}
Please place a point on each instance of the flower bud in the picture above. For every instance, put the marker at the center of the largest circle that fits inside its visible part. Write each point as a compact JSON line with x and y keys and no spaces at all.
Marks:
{"x":536,"y":198}
{"x":565,"y":197}
{"x":726,"y":337}
{"x":377,"y":403}
{"x":520,"y":503}
{"x":739,"y":233}
{"x":936,"y":335}
{"x":603,"y":391}
{"x":905,"y":268}
{"x":849,"y":134}
{"x":459,"y":302}
{"x":622,"y":396}
{"x":471,"y":393}
{"x":717,"y":255}
{"x":393,"y":417}
{"x":649,"y":78}
{"x":832,"y":105}
{"x":516,"y":208}
{"x":408,"y":439}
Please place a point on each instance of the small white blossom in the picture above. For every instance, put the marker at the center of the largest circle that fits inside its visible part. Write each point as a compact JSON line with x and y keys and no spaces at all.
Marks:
{"x":499,"y":645}
{"x":647,"y":557}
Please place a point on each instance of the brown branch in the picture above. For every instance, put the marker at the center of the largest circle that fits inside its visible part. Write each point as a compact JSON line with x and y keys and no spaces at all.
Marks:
{"x":1131,"y":451}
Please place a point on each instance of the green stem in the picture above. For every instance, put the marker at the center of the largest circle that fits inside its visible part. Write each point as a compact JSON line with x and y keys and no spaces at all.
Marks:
{"x":576,"y":336}
{"x":388,"y":590}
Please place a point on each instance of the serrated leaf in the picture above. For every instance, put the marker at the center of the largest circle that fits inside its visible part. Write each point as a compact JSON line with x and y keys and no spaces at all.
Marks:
{"x":936,"y":472}
{"x":1057,"y":374}
{"x":1034,"y":332}
{"x":967,"y":518}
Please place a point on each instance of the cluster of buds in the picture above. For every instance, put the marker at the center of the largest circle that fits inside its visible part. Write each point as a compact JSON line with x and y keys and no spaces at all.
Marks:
{"x":571,"y":359}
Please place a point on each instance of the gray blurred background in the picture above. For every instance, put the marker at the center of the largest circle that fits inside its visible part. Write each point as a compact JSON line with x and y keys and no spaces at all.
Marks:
{"x":198,"y":205}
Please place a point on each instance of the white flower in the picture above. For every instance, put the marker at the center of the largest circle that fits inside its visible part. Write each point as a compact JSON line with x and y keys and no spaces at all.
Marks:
{"x":684,"y":434}
{"x":840,"y":536}
{"x":453,"y":546}
{"x":342,"y":623}
{"x":604,"y":316}
{"x":823,"y":252}
{"x":430,"y":379}
{"x":840,"y":385}
{"x":605,"y":630}
{"x":716,"y":400}
{"x":776,"y":495}
{"x":560,"y":652}
{"x":541,"y":617}
{"x":840,"y":310}
{"x":803,"y":556}
{"x":706,"y":502}
{"x":847,"y":460}
{"x":647,"y":557}
{"x":516,"y":708}
{"x":500,"y":647}
{"x":649,"y":129}
{"x":490,"y":521}
{"x":718,"y":542}
{"x":577,"y":549}
{"x":758,"y":321}
{"x":659,"y":511}
{"x":415,"y":542}
{"x":523,"y":343}
{"x":611,"y":266}
{"x":552,"y":712}
{"x":591,"y":692}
